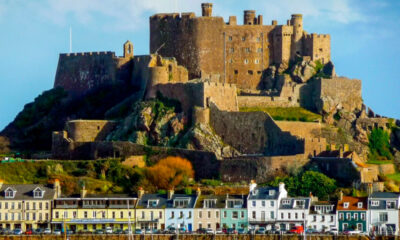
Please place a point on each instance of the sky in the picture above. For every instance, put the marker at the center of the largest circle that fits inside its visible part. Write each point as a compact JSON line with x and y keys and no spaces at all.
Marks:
{"x":364,"y":39}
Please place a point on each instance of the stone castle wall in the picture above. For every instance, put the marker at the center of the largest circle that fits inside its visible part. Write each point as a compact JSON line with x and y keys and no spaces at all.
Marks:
{"x":253,"y":133}
{"x":338,"y":92}
{"x":89,"y":130}
{"x":78,"y":73}
{"x":266,"y":101}
{"x":301,"y":129}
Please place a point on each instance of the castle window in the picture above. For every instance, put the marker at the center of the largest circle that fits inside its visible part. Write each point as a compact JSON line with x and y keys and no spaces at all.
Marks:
{"x":98,"y":127}
{"x":170,"y":68}
{"x":320,"y":50}
{"x":259,"y":50}
{"x":243,"y":39}
{"x":230,"y":38}
{"x":246,"y":61}
{"x":257,"y":61}
{"x":236,"y":71}
{"x":258,"y":72}
{"x":250,"y":72}
{"x":247,"y":50}
{"x":231,"y":50}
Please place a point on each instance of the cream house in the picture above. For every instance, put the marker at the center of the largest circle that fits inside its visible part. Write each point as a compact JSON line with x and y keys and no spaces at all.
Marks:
{"x":26,"y":206}
{"x":150,"y":210}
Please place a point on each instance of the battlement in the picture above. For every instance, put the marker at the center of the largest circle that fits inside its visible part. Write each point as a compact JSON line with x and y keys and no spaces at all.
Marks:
{"x":104,"y":53}
{"x":315,"y":35}
{"x":160,"y":16}
{"x":216,"y":84}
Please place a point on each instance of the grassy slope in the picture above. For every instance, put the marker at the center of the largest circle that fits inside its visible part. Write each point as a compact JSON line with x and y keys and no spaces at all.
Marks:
{"x":289,"y":114}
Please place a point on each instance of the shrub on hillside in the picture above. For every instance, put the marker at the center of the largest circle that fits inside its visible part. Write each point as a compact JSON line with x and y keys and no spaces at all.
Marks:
{"x":170,"y":172}
{"x":4,"y":145}
{"x":379,"y":145}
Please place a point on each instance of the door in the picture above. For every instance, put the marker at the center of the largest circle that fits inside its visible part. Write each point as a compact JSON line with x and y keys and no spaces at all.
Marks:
{"x":189,"y":227}
{"x":262,"y":215}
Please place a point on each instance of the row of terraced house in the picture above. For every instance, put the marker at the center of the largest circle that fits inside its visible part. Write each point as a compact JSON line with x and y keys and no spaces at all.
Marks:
{"x":31,"y":206}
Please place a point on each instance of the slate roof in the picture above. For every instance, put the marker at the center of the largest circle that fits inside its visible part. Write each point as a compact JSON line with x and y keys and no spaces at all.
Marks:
{"x":25,"y":191}
{"x":238,"y":197}
{"x":143,"y":202}
{"x":219,"y":204}
{"x":384,"y":195}
{"x":353,"y":201}
{"x":322,"y":203}
{"x":291,"y":205}
{"x":192,"y":200}
{"x":262,"y":193}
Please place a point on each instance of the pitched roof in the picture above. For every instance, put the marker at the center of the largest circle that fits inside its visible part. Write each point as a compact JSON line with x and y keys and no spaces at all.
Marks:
{"x":144,"y":200}
{"x":353,"y":203}
{"x":220,"y":200}
{"x":384,"y":195}
{"x":192,"y":200}
{"x":264,"y":193}
{"x":25,"y":191}
{"x":291,"y":204}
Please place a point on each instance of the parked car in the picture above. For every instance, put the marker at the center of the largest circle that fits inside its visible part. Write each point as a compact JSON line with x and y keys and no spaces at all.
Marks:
{"x":108,"y":230}
{"x":70,"y":232}
{"x":120,"y":231}
{"x":182,"y":230}
{"x":138,"y":231}
{"x":28,"y":232}
{"x":297,"y":230}
{"x":311,"y":231}
{"x":231,"y":231}
{"x":47,"y":231}
{"x":148,"y":231}
{"x":201,"y":231}
{"x":99,"y":231}
{"x":17,"y":231}
{"x":261,"y":230}
{"x":353,"y":232}
{"x":242,"y":231}
{"x":333,"y":231}
{"x":57,"y":232}
{"x":251,"y":231}
{"x":172,"y":230}
{"x":38,"y":231}
{"x":5,"y":231}
{"x":218,"y":231}
{"x":127,"y":231}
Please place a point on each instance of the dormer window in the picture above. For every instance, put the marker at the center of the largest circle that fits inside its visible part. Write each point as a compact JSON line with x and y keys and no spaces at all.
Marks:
{"x":300,"y":204}
{"x":210,"y":203}
{"x":153,"y":203}
{"x":181,"y":202}
{"x":38,"y":193}
{"x":10,"y":193}
{"x":234,"y":203}
{"x":374,"y":203}
{"x":271,"y":192}
{"x":286,"y":202}
{"x":359,"y":204}
{"x":346,"y":205}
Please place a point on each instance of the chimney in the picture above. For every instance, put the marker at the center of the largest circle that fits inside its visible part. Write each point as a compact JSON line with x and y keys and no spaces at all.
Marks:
{"x":198,"y":191}
{"x":341,"y":195}
{"x":83,"y":192}
{"x":281,"y":187}
{"x":206,"y":9}
{"x":346,"y":147}
{"x":370,"y":189}
{"x":170,"y":193}
{"x":274,"y":23}
{"x":232,"y":20}
{"x":57,"y":188}
{"x":252,"y":187}
{"x":333,"y":147}
{"x":313,"y":198}
{"x":260,"y":20}
{"x":140,"y":192}
{"x":341,"y":152}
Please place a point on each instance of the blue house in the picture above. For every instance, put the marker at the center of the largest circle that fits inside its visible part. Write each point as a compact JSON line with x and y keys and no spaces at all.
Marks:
{"x":179,"y":213}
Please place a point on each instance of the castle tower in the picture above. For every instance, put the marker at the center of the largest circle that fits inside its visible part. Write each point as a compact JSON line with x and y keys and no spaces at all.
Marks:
{"x":297,"y":22}
{"x":128,"y":49}
{"x":249,"y":17}
{"x":206,"y":9}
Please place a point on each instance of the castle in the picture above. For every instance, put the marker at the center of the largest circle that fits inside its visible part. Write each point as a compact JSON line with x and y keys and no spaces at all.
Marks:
{"x":214,"y":69}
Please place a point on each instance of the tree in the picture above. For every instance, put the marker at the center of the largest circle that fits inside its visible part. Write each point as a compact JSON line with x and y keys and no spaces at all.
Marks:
{"x":4,"y":145}
{"x":170,"y":172}
{"x":379,"y":144}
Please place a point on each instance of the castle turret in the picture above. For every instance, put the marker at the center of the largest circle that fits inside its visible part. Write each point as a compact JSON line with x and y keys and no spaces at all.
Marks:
{"x":128,"y":49}
{"x":206,"y":9}
{"x":297,"y":22}
{"x":249,"y":17}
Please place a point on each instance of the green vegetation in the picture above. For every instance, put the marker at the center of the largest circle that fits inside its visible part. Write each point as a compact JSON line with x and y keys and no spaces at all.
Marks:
{"x":395,"y":177}
{"x":288,"y":114}
{"x":308,"y":182}
{"x":379,"y":145}
{"x":319,"y":69}
{"x":379,"y":162}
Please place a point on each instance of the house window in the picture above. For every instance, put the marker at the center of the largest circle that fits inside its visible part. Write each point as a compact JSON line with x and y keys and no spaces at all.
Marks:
{"x":374,"y":203}
{"x":121,"y":214}
{"x":74,"y":214}
{"x":263,"y":203}
{"x":348,"y":216}
{"x":200,"y":214}
{"x":355,"y":216}
{"x":359,"y":227}
{"x":9,"y":193}
{"x":209,"y":214}
{"x":391,"y":205}
{"x":282,"y":216}
{"x":242,"y":214}
{"x":253,"y":203}
{"x":234,"y":214}
{"x":359,"y":204}
{"x":153,"y":203}
{"x":85,"y":214}
{"x":286,"y":202}
{"x":180,"y":214}
{"x":345,"y":226}
{"x":272,"y":203}
{"x":314,"y":218}
{"x":331,"y":218}
{"x":224,"y":214}
{"x":288,"y":215}
{"x":383,"y":217}
{"x":172,"y":214}
{"x":362,"y":216}
{"x":38,"y":193}
{"x":346,"y":205}
{"x":253,"y":214}
{"x":57,"y":215}
{"x":94,"y":214}
{"x":272,"y":215}
{"x":217,"y":214}
{"x":340,"y":216}
{"x":322,"y":218}
{"x":160,"y":214}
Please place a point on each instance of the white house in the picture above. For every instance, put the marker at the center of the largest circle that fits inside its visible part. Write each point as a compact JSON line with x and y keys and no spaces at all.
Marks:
{"x":293,"y":212}
{"x":322,"y":216}
{"x":383,"y":210}
{"x":263,"y":204}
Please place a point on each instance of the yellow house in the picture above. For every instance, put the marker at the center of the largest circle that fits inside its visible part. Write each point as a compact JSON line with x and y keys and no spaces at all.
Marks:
{"x":91,"y":212}
{"x":150,"y":211}
{"x":26,"y":206}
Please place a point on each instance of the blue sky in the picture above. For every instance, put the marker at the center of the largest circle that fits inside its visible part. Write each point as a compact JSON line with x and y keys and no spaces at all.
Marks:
{"x":365,"y":39}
